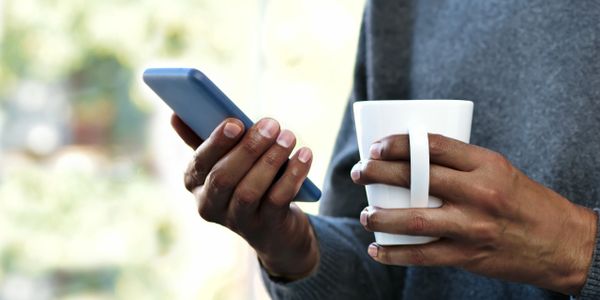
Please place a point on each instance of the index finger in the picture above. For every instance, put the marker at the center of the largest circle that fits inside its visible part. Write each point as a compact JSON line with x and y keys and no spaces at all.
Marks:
{"x":219,"y":143}
{"x":443,"y":151}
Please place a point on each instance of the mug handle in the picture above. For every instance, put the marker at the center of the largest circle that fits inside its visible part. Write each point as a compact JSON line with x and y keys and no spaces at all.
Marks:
{"x":419,"y":167}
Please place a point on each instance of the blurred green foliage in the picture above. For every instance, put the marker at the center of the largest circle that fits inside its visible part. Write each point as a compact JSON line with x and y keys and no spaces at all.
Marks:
{"x":95,"y":49}
{"x":65,"y":217}
{"x":99,"y":233}
{"x":98,"y":75}
{"x":107,"y":231}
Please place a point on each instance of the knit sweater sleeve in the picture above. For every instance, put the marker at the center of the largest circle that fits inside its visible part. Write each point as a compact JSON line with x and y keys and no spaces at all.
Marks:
{"x":591,"y":289}
{"x":345,"y":270}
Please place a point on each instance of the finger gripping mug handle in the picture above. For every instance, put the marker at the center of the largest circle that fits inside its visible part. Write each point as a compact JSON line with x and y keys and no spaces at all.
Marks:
{"x":419,"y":167}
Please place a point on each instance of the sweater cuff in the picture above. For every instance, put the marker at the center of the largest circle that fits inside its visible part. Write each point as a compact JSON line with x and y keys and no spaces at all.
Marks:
{"x":339,"y":274}
{"x":591,"y":288}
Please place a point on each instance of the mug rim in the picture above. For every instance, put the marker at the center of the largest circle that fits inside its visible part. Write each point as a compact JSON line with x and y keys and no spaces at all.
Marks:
{"x":411,"y":101}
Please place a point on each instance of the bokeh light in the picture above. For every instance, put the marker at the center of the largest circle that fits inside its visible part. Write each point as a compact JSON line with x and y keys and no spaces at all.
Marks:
{"x":92,"y":204}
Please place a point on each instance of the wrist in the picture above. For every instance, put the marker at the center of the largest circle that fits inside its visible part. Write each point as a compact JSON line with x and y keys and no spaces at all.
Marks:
{"x":581,"y":246}
{"x":290,"y":271}
{"x":295,"y":262}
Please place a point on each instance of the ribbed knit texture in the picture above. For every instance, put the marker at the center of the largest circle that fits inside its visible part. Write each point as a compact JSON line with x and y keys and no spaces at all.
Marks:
{"x":532,"y":68}
{"x":591,"y":289}
{"x":342,"y":242}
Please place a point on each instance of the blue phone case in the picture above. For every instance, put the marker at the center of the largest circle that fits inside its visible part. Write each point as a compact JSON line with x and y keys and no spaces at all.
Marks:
{"x":203,"y":106}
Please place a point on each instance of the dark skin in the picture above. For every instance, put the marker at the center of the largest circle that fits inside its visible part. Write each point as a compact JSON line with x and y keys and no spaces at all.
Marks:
{"x":231,"y":177}
{"x":495,"y":221}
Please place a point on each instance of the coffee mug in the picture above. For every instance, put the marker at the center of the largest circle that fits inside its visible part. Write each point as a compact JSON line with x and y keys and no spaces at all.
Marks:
{"x":376,"y":119}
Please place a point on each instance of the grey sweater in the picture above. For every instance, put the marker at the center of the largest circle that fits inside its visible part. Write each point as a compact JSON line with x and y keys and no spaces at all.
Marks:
{"x":533,"y":70}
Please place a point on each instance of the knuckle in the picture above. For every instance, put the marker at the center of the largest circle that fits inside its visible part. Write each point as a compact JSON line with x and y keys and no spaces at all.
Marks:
{"x":220,"y":182}
{"x":192,"y":178}
{"x":373,"y":220}
{"x":246,"y":197}
{"x":271,"y":198}
{"x":493,"y":195}
{"x":485,"y":233}
{"x":195,"y":174}
{"x":511,"y":173}
{"x":383,"y":255}
{"x":417,"y":222}
{"x":498,"y":158}
{"x":368,"y":168}
{"x":402,"y":177}
{"x":206,"y":213}
{"x":385,"y":145}
{"x":502,"y":163}
{"x":415,"y":256}
{"x":253,"y":144}
{"x":438,"y":144}
{"x":493,"y":199}
{"x":294,"y":173}
{"x":393,"y":145}
{"x":272,"y":159}
{"x":203,"y":212}
{"x":189,"y":181}
{"x":275,"y":200}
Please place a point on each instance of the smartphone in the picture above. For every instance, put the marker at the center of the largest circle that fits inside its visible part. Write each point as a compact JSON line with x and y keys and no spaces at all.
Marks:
{"x":203,"y":106}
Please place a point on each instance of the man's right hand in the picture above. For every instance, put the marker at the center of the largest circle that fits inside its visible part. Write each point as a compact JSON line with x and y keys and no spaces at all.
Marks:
{"x":232,"y":178}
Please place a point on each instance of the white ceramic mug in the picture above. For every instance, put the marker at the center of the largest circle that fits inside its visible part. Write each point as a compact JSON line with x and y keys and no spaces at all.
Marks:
{"x":377,"y":119}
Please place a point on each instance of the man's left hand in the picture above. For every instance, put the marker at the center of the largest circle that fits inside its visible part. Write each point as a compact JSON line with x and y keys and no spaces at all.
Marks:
{"x":494,"y":220}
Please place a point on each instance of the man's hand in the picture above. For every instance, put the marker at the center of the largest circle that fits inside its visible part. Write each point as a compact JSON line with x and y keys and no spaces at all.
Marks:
{"x":495,"y":221}
{"x":231,"y":177}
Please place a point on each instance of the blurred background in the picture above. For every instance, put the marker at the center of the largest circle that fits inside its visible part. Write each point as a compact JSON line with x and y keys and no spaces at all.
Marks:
{"x":92,"y":204}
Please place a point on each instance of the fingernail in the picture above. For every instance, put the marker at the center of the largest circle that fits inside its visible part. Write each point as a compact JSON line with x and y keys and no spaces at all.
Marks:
{"x":304,"y":155}
{"x":375,"y":150}
{"x":372,"y":250}
{"x":285,"y":138}
{"x":231,"y":130}
{"x":364,"y":215}
{"x":355,"y":172}
{"x":267,"y":127}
